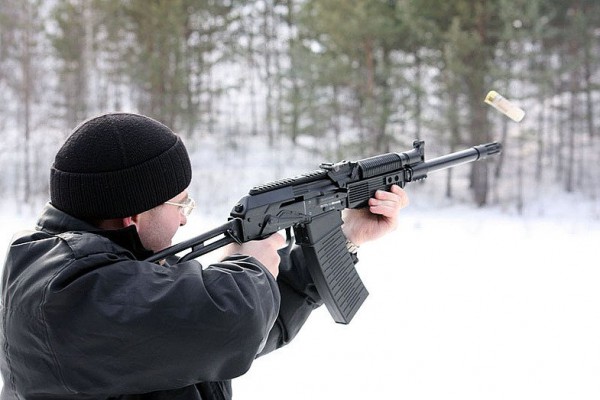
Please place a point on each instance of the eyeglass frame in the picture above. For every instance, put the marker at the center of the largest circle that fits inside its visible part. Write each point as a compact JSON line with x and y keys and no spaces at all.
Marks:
{"x":185,"y":208}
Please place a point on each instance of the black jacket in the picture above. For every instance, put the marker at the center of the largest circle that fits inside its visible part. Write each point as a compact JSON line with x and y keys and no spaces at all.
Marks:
{"x":83,"y":318}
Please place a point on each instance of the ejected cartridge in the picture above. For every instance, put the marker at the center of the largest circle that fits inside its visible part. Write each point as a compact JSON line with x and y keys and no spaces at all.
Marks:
{"x":507,"y":108}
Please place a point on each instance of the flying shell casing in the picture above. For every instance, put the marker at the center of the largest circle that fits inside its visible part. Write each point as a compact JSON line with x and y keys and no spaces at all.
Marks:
{"x":507,"y":108}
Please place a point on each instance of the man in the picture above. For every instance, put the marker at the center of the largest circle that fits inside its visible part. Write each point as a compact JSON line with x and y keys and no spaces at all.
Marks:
{"x":84,"y":317}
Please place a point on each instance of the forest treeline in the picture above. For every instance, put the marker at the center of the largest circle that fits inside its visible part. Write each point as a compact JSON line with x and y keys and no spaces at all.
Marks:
{"x":364,"y":77}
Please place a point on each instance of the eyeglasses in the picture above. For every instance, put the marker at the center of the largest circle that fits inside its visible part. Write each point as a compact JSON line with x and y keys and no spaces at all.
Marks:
{"x":185,"y":207}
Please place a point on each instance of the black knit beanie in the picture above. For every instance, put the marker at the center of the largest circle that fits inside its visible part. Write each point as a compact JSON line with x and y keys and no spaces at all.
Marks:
{"x":118,"y":165}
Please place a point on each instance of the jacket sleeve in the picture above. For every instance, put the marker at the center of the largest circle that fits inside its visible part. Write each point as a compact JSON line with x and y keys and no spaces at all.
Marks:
{"x":127,"y":326}
{"x":299,"y":297}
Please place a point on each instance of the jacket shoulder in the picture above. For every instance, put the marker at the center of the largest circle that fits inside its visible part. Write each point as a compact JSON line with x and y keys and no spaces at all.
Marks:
{"x":83,"y":244}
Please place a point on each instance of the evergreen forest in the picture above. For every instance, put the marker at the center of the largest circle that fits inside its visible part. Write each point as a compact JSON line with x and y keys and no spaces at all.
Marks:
{"x":339,"y":79}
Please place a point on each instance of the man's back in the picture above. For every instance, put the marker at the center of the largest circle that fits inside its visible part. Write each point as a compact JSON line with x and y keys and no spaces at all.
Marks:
{"x":81,"y":317}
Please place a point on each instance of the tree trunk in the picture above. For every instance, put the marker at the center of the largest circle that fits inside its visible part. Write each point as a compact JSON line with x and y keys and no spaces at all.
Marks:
{"x":479,"y":132}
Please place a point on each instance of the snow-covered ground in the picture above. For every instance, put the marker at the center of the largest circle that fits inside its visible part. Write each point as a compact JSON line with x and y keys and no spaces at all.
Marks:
{"x":464,"y":303}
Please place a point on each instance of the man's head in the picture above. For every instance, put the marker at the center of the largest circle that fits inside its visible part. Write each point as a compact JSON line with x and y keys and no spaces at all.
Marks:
{"x":118,"y":165}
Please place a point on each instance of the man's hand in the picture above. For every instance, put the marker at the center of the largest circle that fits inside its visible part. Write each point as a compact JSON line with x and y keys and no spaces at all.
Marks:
{"x":264,"y":251}
{"x":366,"y":224}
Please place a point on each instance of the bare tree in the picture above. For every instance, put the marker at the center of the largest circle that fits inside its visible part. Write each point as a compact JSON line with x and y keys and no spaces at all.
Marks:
{"x":22,"y":43}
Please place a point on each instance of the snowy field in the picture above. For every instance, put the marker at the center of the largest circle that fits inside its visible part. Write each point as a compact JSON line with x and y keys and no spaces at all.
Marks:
{"x":464,"y":303}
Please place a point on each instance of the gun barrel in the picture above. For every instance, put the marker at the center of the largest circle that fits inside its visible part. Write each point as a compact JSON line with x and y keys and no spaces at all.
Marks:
{"x":460,"y":157}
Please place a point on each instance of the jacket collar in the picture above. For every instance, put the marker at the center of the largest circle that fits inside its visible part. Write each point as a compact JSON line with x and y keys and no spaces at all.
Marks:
{"x":55,"y":221}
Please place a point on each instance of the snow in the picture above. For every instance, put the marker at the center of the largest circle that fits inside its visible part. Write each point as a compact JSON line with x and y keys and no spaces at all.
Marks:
{"x":465,"y":303}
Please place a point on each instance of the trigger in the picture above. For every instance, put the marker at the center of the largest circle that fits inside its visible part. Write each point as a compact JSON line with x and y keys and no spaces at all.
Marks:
{"x":289,"y":241}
